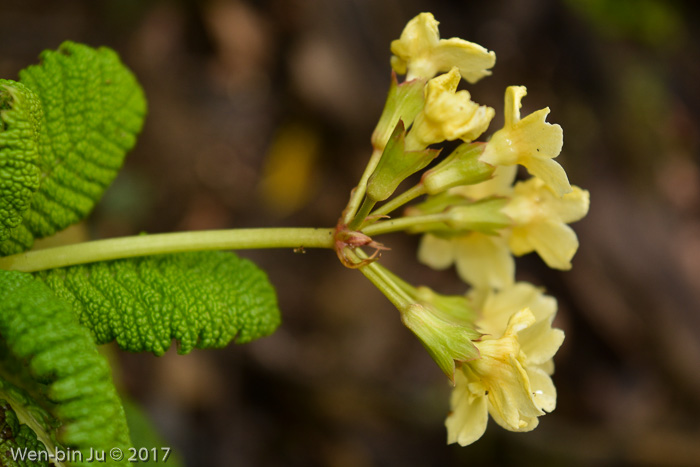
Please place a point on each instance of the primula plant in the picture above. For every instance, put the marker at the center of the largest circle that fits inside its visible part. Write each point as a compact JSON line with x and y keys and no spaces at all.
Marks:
{"x":65,"y":128}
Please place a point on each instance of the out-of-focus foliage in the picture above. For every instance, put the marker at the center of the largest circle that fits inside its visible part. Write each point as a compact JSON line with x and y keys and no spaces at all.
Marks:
{"x":657,"y":23}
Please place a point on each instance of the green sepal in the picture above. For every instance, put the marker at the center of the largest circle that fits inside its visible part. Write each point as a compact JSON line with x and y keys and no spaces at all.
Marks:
{"x":461,"y":215}
{"x":396,"y":164}
{"x":403,"y":102}
{"x":446,"y":338}
{"x":200,"y":299}
{"x":456,"y":308}
{"x":461,"y":167}
{"x":443,"y":323}
{"x":483,"y":216}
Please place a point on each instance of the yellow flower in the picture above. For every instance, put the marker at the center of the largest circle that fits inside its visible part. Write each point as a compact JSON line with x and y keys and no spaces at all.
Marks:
{"x":497,"y":307}
{"x":540,"y":221}
{"x":448,"y":114}
{"x":530,"y":142}
{"x":511,"y":381}
{"x":539,"y":217}
{"x":481,"y":260}
{"x":420,"y":52}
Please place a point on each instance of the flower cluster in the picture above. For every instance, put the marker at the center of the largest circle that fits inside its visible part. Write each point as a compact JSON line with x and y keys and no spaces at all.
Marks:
{"x":496,"y":343}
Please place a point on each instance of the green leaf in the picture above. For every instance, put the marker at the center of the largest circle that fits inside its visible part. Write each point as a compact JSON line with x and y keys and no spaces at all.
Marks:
{"x":18,"y":441}
{"x":71,"y":379}
{"x":201,"y":299}
{"x":93,"y":109}
{"x":20,"y":124}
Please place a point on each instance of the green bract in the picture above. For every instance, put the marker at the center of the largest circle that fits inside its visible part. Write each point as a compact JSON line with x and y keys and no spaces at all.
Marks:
{"x":202,"y":299}
{"x":92,"y":108}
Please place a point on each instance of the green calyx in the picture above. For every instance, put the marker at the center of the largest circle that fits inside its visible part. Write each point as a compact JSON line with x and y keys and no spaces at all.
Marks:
{"x":483,"y":216}
{"x":461,"y":167}
{"x":447,"y":339}
{"x":443,"y":323}
{"x":403,"y":103}
{"x":395,"y":165}
{"x":445,"y":326}
{"x":459,"y":215}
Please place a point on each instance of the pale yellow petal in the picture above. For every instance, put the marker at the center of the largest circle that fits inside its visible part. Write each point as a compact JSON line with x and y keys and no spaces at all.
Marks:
{"x":436,"y":252}
{"x":398,"y":65}
{"x":514,"y":96}
{"x":540,"y":342}
{"x":448,"y":115}
{"x":572,"y":206}
{"x":533,"y":201}
{"x":472,"y":59}
{"x":413,"y":47}
{"x":538,"y":138}
{"x":556,"y":243}
{"x":467,"y":125}
{"x":498,"y":307}
{"x":445,"y":83}
{"x":511,"y":401}
{"x":519,"y":241}
{"x":543,"y":389}
{"x":531,"y":142}
{"x":550,"y":172}
{"x":547,"y":367}
{"x":468,"y":417}
{"x":501,"y":149}
{"x":484,"y":261}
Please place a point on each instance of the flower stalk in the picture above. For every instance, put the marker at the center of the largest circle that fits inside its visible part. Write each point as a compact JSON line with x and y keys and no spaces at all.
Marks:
{"x":179,"y":242}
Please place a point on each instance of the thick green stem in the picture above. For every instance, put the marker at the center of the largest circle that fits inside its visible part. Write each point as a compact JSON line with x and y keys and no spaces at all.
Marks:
{"x":178,"y":242}
{"x":405,"y":197}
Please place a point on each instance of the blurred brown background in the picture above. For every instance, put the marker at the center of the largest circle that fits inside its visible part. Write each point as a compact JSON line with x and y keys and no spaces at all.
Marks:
{"x":260,"y":115}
